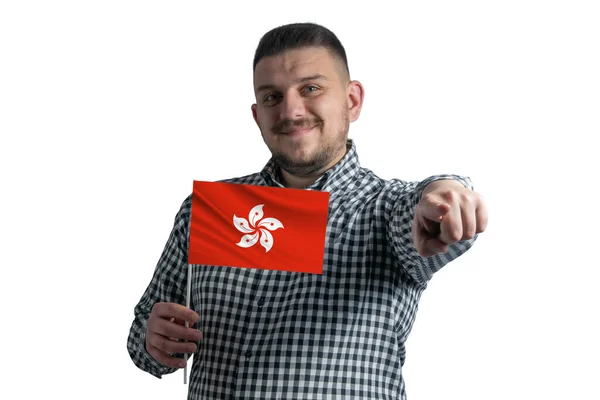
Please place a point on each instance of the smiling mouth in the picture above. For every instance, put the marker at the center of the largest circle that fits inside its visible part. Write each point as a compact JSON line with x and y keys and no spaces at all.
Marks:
{"x":297,"y":131}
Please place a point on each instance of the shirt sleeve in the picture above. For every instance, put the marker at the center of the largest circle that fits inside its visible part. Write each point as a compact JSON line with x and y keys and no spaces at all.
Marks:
{"x":168,"y":284}
{"x":405,"y":197}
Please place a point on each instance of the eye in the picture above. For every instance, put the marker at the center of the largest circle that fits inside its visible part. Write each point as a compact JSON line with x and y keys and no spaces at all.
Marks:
{"x":311,"y":88}
{"x":269,"y":98}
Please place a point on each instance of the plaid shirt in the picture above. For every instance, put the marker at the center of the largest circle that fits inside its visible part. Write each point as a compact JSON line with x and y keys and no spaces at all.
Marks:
{"x":276,"y":334}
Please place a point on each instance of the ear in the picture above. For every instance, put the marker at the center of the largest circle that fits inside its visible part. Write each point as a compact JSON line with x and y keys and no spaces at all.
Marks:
{"x":255,"y":114}
{"x":355,"y":93}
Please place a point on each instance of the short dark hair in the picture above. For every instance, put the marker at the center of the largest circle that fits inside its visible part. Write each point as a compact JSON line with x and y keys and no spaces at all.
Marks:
{"x":296,"y":36}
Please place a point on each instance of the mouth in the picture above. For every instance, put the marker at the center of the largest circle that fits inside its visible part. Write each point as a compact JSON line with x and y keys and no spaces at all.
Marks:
{"x":297,"y":132}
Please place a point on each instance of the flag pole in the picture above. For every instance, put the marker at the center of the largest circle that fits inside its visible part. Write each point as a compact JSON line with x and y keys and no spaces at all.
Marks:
{"x":187,"y":324}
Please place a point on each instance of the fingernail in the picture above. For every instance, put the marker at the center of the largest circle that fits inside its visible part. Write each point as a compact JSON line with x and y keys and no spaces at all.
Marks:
{"x":182,"y":364}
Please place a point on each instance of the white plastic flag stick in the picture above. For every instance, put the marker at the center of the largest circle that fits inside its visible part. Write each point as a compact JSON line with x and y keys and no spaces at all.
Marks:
{"x":187,"y":324}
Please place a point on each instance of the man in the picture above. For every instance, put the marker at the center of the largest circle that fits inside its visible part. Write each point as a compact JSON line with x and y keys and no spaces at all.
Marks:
{"x":261,"y":334}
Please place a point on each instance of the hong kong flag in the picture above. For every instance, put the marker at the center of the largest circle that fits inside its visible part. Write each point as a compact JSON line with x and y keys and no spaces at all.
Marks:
{"x":261,"y":227}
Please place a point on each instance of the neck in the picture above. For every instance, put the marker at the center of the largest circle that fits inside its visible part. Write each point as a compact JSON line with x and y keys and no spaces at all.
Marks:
{"x":298,"y":182}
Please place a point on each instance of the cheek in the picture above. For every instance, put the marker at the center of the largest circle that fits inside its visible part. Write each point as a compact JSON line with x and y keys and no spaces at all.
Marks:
{"x":266,"y":118}
{"x":327,"y":109}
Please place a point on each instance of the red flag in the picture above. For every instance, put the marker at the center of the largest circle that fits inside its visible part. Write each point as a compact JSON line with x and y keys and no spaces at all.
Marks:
{"x":260,"y":227}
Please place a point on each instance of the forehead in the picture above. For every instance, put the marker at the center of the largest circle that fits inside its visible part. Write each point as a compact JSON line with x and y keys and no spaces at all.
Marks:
{"x":294,"y":64}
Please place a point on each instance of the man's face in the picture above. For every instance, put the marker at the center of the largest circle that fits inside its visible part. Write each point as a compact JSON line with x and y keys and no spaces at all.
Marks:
{"x":304,"y":106}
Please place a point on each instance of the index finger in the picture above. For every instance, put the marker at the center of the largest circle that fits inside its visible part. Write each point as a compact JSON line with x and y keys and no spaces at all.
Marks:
{"x":174,"y":310}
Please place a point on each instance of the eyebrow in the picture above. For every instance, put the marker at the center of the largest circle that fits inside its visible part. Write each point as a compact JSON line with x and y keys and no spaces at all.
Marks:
{"x":301,"y":80}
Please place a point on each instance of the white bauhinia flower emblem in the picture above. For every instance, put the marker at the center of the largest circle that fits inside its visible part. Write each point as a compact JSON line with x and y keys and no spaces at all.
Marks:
{"x":256,"y":227}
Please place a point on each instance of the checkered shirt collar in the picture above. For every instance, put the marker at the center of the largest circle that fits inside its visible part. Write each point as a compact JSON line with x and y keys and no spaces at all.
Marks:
{"x":337,"y":177}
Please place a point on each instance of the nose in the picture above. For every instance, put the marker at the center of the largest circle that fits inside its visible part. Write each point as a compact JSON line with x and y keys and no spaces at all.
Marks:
{"x":291,"y":106}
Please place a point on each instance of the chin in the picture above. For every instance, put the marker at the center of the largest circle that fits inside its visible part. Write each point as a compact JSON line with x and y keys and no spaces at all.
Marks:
{"x":301,"y":153}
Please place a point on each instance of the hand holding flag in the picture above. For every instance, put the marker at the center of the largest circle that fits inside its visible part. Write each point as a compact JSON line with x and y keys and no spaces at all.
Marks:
{"x":165,"y":330}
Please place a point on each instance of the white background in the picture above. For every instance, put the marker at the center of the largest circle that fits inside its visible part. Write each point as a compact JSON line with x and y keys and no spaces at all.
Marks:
{"x":109,"y":110}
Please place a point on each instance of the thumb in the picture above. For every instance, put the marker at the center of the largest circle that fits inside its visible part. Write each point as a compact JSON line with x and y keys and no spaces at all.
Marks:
{"x":433,"y":210}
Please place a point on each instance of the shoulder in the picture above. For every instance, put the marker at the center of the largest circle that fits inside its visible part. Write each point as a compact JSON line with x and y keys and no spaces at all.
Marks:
{"x":251,"y":179}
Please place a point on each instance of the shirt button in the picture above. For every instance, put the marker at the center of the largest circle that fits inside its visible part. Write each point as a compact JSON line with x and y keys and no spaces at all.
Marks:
{"x":247,"y":354}
{"x":261,"y":302}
